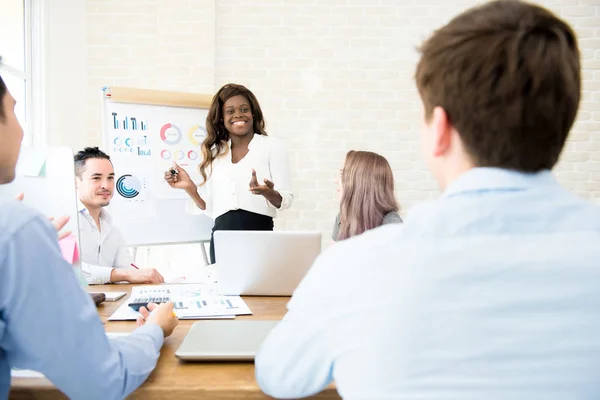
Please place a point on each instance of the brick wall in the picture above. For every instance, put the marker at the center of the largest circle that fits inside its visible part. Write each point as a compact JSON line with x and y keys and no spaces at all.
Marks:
{"x":330,"y":75}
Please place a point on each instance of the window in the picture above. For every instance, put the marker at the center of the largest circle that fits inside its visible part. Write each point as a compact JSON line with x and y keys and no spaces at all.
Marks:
{"x":20,"y":49}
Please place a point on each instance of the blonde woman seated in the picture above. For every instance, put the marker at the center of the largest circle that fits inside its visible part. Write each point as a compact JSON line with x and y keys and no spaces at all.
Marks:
{"x":367,"y":195}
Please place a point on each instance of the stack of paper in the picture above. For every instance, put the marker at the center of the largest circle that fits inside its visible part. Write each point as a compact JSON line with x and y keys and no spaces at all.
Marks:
{"x":190,"y":302}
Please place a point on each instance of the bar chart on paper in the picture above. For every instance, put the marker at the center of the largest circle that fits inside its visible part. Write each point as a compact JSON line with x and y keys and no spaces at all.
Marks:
{"x":226,"y":303}
{"x":128,"y":123}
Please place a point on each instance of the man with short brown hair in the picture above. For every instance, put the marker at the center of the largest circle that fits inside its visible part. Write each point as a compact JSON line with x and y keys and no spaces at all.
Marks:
{"x":507,"y":77}
{"x":492,"y":291}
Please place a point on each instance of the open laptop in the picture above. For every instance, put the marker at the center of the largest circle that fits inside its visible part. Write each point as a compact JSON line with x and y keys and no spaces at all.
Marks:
{"x":224,"y":340}
{"x":263,"y":263}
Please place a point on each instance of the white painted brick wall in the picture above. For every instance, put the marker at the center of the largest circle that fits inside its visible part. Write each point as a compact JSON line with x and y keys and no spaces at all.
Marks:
{"x":153,"y":44}
{"x":342,"y":79}
{"x":330,"y":75}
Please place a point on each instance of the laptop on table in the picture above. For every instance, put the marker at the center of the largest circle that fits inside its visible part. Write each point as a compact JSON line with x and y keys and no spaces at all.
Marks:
{"x":224,"y":340}
{"x":263,"y":263}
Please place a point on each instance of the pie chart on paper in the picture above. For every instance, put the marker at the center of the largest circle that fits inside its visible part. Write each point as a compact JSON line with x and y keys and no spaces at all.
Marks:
{"x":196,"y":135}
{"x":170,"y":134}
{"x":128,"y":186}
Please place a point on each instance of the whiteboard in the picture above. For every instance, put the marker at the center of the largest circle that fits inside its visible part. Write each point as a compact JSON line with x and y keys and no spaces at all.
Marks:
{"x":47,"y":178}
{"x":143,"y":141}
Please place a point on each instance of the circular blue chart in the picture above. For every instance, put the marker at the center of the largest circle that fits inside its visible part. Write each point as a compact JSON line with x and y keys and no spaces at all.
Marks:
{"x":128,"y":186}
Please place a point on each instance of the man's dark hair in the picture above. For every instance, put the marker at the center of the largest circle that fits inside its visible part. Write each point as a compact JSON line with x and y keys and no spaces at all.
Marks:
{"x":86,"y":154}
{"x":3,"y":91}
{"x":508,"y":75}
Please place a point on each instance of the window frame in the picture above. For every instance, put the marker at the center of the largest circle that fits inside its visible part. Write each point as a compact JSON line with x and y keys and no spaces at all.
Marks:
{"x":33,"y":74}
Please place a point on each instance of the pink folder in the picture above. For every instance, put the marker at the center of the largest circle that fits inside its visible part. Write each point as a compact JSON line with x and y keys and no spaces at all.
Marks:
{"x":68,"y":247}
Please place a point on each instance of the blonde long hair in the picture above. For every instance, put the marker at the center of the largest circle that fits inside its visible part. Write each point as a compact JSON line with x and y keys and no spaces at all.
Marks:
{"x":216,"y":134}
{"x":367,"y":193}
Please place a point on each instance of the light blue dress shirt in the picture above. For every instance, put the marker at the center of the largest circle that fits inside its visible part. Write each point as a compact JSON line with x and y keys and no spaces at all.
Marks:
{"x":48,"y":323}
{"x":491,"y":292}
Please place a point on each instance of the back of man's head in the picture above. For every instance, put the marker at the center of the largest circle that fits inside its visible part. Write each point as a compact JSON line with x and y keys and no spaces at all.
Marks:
{"x":86,"y":154}
{"x":507,"y":74}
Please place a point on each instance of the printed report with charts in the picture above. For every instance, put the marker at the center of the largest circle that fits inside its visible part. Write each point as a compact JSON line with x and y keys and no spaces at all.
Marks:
{"x":190,"y":301}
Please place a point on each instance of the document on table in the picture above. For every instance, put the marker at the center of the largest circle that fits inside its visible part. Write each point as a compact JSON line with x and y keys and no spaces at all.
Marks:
{"x":191,"y":301}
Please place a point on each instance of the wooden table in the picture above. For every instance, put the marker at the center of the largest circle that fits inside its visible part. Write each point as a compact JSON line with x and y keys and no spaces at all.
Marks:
{"x":172,"y":378}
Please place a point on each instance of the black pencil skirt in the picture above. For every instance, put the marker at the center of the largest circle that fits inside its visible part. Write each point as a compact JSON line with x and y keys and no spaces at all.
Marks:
{"x":239,"y":220}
